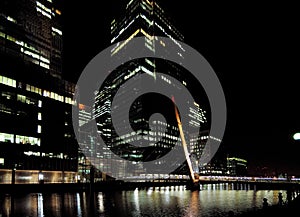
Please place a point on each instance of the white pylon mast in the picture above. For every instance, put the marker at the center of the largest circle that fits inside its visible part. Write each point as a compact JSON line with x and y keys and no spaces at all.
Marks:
{"x":184,"y":145}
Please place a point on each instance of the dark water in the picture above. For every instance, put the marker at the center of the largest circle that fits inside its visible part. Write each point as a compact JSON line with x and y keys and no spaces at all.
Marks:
{"x":213,"y":200}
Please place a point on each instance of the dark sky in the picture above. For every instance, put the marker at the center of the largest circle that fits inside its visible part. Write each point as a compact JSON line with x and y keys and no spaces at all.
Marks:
{"x":253,"y":50}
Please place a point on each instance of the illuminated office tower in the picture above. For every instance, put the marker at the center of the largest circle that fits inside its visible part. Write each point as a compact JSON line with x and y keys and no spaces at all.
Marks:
{"x":218,"y":163}
{"x":142,"y":18}
{"x":197,"y":119}
{"x":85,"y":114}
{"x":236,"y":166}
{"x":36,"y":134}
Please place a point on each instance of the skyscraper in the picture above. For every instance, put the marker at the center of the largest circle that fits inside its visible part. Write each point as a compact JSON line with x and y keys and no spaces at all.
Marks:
{"x":236,"y":166}
{"x":36,"y":133}
{"x":148,"y":19}
{"x":217,"y":165}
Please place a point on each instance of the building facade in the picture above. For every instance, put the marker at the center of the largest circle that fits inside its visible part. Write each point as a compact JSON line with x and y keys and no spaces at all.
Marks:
{"x":36,"y":134}
{"x":218,"y":163}
{"x":236,"y":166}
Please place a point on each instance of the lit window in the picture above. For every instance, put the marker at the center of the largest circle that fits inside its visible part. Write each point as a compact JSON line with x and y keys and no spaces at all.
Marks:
{"x":29,"y":53}
{"x":5,"y":137}
{"x":39,"y":116}
{"x":44,"y":65}
{"x":10,"y":38}
{"x":4,"y":80}
{"x":39,"y":129}
{"x":44,"y":59}
{"x":27,"y":140}
{"x":32,"y":48}
{"x":69,"y":100}
{"x":43,"y":9}
{"x":40,"y":104}
{"x":58,"y":12}
{"x":46,"y":93}
{"x":2,"y":35}
{"x":57,"y":31}
{"x":21,"y":98}
{"x":20,"y":43}
{"x":8,"y":81}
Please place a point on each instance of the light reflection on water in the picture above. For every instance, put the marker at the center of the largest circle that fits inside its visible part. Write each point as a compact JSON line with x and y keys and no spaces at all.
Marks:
{"x":212,"y":200}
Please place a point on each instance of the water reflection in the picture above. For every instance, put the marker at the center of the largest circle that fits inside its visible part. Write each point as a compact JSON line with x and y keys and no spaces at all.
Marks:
{"x":40,"y":207}
{"x":136,"y":201}
{"x":78,"y":205}
{"x":193,"y":209}
{"x":100,"y":202}
{"x":212,"y":200}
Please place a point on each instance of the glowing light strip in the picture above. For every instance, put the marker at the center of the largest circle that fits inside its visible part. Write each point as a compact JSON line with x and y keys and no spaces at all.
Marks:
{"x":57,"y":31}
{"x":147,"y":20}
{"x":176,"y":42}
{"x":116,"y":49}
{"x":150,"y":63}
{"x":7,"y":81}
{"x":129,"y":3}
{"x":11,"y":19}
{"x":237,"y":159}
{"x":147,"y":35}
{"x":132,"y":73}
{"x":184,"y":143}
{"x":122,"y":30}
{"x":150,"y":3}
{"x":43,"y":12}
{"x":40,"y":5}
{"x":147,"y":71}
{"x":43,"y":9}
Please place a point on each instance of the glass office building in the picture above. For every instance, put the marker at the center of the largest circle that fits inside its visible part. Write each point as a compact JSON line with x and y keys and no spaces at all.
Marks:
{"x":236,"y":166}
{"x":36,"y":134}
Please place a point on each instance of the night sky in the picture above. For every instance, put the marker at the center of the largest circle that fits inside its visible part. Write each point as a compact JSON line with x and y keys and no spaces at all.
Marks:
{"x":251,"y":47}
